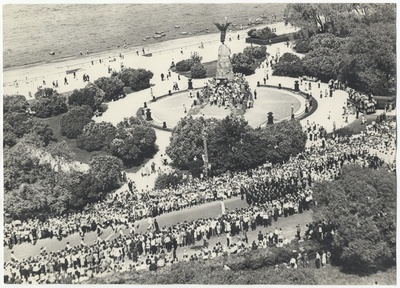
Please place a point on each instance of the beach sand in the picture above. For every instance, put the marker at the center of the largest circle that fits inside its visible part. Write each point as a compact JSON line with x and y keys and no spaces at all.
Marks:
{"x":31,"y":76}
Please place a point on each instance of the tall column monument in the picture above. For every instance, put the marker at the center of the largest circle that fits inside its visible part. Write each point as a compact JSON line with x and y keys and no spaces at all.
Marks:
{"x":224,"y":65}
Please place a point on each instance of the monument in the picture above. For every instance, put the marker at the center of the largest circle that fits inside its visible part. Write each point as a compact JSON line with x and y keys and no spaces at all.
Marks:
{"x":224,"y":65}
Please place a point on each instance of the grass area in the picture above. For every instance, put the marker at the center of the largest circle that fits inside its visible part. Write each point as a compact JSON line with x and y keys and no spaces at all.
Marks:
{"x":211,"y":68}
{"x":80,"y":155}
{"x":332,"y":275}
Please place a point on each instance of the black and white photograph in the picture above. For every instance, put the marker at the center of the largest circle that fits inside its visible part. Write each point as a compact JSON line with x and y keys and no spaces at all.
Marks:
{"x":208,"y":143}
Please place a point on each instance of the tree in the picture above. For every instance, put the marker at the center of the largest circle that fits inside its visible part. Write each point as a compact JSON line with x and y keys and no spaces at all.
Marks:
{"x":84,"y":189}
{"x":242,"y":63}
{"x":186,"y":141}
{"x":112,"y":87}
{"x":134,"y":141}
{"x":289,"y":65}
{"x":106,"y":170}
{"x":74,"y":120}
{"x":18,"y":122}
{"x":233,"y":145}
{"x":14,"y":103}
{"x":362,"y":207}
{"x":283,"y":140}
{"x":369,"y":63}
{"x":96,"y":136}
{"x":91,"y":96}
{"x":198,"y":71}
{"x":40,"y":133}
{"x":54,"y":105}
{"x":137,"y":79}
{"x":18,"y":125}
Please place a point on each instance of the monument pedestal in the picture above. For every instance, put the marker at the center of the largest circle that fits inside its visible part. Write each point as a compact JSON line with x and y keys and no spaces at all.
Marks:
{"x":224,"y":65}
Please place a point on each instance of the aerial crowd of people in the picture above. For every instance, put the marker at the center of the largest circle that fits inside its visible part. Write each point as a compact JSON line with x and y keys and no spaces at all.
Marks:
{"x":272,"y":191}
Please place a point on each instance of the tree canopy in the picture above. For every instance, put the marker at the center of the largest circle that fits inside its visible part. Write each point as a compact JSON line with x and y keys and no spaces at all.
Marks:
{"x":74,"y":120}
{"x":232,"y":144}
{"x":362,"y":207}
{"x":137,"y":79}
{"x":354,"y":43}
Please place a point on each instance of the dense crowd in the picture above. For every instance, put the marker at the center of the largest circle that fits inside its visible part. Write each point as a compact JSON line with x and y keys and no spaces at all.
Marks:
{"x":280,"y":187}
{"x":272,"y":191}
{"x":225,"y":93}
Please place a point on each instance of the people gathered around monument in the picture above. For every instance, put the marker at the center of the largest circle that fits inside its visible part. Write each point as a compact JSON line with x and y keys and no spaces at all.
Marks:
{"x":226,"y":93}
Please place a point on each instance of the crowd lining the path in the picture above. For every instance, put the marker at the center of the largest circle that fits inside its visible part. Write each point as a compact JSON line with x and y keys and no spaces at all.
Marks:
{"x":272,"y":191}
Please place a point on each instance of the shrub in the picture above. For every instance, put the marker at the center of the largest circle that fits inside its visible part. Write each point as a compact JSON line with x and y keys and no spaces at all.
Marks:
{"x":184,"y":65}
{"x":112,"y":87}
{"x":256,"y":52}
{"x":48,"y":107}
{"x":96,"y":136}
{"x":198,"y":71}
{"x":242,"y":63}
{"x":91,"y":96}
{"x":137,"y":79}
{"x":289,"y":65}
{"x":72,"y":123}
{"x":264,"y":33}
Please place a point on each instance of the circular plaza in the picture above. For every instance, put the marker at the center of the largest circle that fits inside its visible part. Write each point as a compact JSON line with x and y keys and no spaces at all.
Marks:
{"x":171,"y":109}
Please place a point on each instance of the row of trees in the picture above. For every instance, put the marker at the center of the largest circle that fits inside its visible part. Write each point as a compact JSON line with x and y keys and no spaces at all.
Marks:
{"x":354,"y":43}
{"x":49,"y":103}
{"x":232,"y":144}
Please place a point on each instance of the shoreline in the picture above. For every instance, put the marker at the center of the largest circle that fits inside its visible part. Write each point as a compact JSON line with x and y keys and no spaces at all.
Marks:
{"x":133,"y":48}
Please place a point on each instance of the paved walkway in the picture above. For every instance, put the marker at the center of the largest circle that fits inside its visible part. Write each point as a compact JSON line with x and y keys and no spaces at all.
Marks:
{"x":211,"y":209}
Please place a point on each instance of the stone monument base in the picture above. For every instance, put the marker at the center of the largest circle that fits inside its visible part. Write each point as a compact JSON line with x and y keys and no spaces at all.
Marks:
{"x":224,"y":65}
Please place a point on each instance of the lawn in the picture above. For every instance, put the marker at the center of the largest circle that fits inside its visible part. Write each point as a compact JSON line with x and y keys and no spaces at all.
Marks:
{"x":80,"y":155}
{"x":211,"y":68}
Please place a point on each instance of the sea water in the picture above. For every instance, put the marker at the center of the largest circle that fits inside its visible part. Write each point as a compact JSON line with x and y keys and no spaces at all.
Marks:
{"x":32,"y":32}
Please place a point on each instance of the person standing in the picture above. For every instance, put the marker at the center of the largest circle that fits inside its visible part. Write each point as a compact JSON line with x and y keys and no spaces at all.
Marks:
{"x":317,"y":260}
{"x":65,"y":80}
{"x":323,"y":259}
{"x":298,"y":231}
{"x":255,"y":94}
